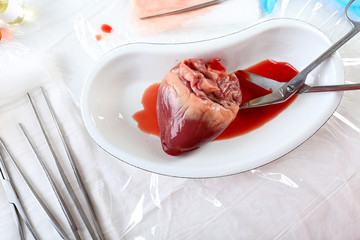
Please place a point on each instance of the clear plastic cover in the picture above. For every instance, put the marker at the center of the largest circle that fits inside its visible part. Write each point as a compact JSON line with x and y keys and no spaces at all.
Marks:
{"x":310,"y":193}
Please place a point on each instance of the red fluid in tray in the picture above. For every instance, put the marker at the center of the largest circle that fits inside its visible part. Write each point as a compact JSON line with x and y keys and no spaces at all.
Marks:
{"x":147,"y":118}
{"x":250,"y":119}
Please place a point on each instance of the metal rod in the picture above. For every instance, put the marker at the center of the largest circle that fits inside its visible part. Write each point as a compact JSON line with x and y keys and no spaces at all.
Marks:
{"x":66,"y":181}
{"x":187,"y":9}
{"x":290,"y":88}
{"x":48,"y":213}
{"x":15,"y":203}
{"x":64,"y":208}
{"x":20,"y":230}
{"x":75,"y":169}
{"x":332,"y":88}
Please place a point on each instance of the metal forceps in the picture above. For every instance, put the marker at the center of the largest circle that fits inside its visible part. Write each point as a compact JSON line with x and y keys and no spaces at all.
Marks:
{"x":292,"y":87}
{"x":14,"y":201}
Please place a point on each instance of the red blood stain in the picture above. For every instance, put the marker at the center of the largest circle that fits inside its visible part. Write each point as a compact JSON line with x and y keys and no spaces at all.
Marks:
{"x":98,"y":37}
{"x":106,"y":28}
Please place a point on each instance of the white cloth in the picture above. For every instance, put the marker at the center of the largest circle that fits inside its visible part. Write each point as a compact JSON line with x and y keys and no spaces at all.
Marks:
{"x":311,"y":193}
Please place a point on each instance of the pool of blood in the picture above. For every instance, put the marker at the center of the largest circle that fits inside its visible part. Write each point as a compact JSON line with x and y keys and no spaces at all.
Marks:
{"x":246,"y":120}
{"x":147,"y":118}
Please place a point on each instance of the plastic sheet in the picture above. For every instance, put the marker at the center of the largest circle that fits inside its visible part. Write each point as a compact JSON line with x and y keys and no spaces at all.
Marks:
{"x":311,"y":193}
{"x":184,"y":28}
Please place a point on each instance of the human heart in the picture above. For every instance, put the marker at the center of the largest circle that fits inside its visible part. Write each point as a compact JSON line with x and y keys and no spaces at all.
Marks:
{"x":196,"y":103}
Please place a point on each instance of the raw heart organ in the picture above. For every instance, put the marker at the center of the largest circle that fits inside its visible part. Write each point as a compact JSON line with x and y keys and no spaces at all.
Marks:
{"x":196,"y":102}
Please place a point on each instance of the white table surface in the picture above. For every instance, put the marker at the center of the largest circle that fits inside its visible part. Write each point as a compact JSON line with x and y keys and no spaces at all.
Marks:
{"x":310,"y":193}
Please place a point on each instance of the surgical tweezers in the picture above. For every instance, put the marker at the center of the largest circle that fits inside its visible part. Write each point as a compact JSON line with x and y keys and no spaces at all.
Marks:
{"x":14,"y":201}
{"x":97,"y":234}
{"x":48,"y":213}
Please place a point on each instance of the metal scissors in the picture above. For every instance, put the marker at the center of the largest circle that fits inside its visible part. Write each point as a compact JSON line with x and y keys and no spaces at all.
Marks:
{"x":294,"y":86}
{"x":14,"y":201}
{"x":270,"y":84}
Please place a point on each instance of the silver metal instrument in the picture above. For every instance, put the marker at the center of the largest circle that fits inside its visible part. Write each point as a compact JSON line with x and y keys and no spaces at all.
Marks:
{"x":66,"y":181}
{"x":53,"y":185}
{"x":48,"y":213}
{"x":293,"y":86}
{"x":16,"y":206}
{"x":271,"y":84}
{"x":15,"y":202}
{"x":78,"y":178}
{"x":187,"y":9}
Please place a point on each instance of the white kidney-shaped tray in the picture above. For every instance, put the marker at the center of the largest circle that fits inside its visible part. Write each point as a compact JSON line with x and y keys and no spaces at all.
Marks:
{"x":113,"y":91}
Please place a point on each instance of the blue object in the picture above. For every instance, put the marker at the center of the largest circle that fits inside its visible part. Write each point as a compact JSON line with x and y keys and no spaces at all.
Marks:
{"x":268,"y":5}
{"x":354,"y":8}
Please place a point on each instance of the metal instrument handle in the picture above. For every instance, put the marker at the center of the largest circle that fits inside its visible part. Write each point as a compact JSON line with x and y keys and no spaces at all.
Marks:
{"x":195,"y":7}
{"x":289,"y":89}
{"x":299,"y":80}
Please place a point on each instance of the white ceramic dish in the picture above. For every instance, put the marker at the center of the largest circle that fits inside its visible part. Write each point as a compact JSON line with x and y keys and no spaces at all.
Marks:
{"x":113,"y":90}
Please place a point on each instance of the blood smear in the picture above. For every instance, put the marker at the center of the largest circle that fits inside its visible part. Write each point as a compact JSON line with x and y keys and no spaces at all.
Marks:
{"x":247,"y":120}
{"x":98,"y":37}
{"x":5,"y":35}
